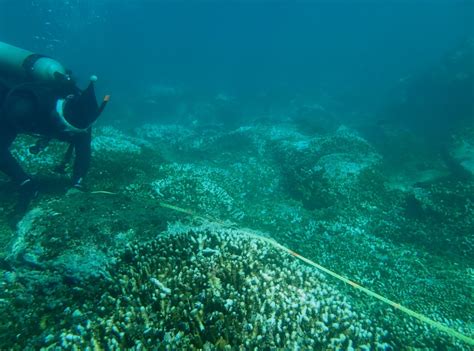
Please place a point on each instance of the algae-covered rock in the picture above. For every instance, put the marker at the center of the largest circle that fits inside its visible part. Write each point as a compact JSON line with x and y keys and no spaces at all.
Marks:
{"x":76,"y":235}
{"x":323,"y":170}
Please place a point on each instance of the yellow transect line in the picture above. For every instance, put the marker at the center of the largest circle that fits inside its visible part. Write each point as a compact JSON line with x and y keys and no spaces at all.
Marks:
{"x":366,"y":291}
{"x":103,"y":192}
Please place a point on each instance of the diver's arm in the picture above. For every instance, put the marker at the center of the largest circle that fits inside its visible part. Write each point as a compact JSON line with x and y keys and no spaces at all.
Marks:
{"x":82,"y":147}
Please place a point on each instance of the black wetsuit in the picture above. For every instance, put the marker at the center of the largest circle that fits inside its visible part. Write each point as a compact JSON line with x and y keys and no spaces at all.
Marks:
{"x":30,"y":108}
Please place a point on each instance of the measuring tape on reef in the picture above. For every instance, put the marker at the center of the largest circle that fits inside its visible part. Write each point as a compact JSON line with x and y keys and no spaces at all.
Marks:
{"x":419,"y":316}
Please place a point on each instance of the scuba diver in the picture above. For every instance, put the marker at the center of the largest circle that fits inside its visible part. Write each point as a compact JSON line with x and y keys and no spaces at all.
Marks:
{"x":39,"y":97}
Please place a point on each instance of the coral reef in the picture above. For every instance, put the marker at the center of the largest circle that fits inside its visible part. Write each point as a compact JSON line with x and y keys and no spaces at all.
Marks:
{"x":110,"y":139}
{"x":327,"y":196}
{"x":211,"y":288}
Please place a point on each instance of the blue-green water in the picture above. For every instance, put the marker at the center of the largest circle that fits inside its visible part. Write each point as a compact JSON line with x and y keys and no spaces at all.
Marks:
{"x":347,"y":49}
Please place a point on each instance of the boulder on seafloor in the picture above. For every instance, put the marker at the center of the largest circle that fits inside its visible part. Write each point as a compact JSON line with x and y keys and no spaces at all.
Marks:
{"x":462,"y":151}
{"x":76,"y":235}
{"x":314,"y":119}
{"x":322,"y":170}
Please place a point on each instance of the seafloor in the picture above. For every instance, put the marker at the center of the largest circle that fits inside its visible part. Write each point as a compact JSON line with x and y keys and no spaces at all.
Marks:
{"x":112,"y":268}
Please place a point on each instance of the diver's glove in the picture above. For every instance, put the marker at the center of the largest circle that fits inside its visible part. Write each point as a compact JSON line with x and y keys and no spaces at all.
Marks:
{"x":27,"y":192}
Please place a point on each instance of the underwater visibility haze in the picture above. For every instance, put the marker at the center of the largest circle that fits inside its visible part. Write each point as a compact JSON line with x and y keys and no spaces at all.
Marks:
{"x":237,"y":175}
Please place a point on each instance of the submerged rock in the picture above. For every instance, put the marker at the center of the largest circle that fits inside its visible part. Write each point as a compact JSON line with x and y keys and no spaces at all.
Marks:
{"x":323,"y":170}
{"x":462,"y":151}
{"x":74,"y":236}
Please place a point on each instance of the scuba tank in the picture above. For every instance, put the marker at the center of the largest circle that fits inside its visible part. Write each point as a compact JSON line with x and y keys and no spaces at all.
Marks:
{"x":22,"y":69}
{"x":19,"y":65}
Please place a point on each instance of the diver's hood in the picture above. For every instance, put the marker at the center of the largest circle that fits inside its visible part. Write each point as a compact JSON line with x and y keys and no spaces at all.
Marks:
{"x":82,"y":110}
